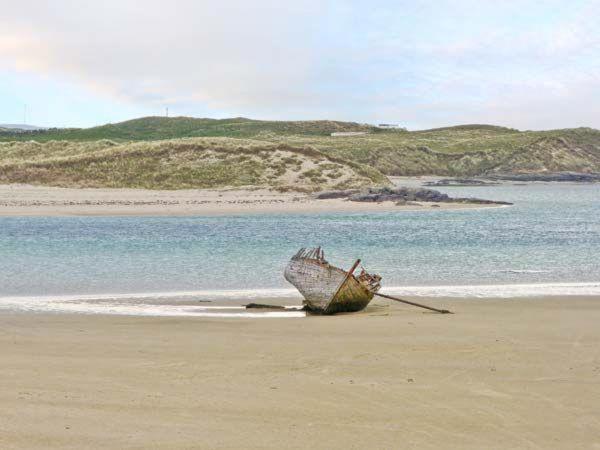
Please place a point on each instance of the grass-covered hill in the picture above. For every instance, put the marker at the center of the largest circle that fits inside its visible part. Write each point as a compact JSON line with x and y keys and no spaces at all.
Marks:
{"x":156,"y":128}
{"x":179,"y":164}
{"x":465,"y":150}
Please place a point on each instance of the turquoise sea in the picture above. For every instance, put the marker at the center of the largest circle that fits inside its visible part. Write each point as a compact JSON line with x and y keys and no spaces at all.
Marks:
{"x":547,"y":243}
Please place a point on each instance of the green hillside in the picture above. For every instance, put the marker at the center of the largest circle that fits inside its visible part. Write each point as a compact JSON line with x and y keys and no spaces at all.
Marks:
{"x":464,"y":150}
{"x":155,"y":128}
{"x":180,"y":164}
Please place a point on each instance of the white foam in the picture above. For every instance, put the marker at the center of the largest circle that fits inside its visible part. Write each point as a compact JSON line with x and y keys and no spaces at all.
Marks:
{"x":118,"y":304}
{"x":498,"y":290}
{"x":141,"y":304}
{"x":147,"y":309}
{"x":198,"y":295}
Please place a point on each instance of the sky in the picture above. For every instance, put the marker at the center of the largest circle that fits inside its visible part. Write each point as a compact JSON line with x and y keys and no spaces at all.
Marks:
{"x":422,"y":64}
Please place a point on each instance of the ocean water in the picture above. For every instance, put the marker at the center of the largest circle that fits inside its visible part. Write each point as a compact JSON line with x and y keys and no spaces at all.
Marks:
{"x":546,"y":244}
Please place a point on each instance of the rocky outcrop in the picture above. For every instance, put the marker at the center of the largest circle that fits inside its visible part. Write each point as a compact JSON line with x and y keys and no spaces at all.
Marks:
{"x":573,"y":177}
{"x":398,"y":194}
{"x":492,"y":180}
{"x":402,"y":195}
{"x":324,"y":195}
{"x":459,"y":182}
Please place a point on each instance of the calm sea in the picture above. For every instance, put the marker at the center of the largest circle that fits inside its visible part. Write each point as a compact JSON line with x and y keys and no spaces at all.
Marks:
{"x":548,"y":243}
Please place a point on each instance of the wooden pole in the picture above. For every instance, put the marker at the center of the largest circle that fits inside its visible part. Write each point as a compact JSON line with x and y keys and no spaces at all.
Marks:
{"x":442,"y":311}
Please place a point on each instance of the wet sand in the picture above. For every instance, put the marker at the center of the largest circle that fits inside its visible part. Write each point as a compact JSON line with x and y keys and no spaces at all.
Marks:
{"x":25,"y":200}
{"x":497,"y":374}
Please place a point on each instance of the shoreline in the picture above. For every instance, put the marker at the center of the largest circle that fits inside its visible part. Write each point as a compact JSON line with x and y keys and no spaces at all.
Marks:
{"x":27,"y":200}
{"x":201,"y":303}
{"x":494,"y":375}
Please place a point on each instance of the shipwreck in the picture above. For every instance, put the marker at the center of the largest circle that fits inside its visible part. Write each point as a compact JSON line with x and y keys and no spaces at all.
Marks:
{"x":329,"y":290}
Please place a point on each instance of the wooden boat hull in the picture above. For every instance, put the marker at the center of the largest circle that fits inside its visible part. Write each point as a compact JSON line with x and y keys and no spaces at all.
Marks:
{"x":327,"y":289}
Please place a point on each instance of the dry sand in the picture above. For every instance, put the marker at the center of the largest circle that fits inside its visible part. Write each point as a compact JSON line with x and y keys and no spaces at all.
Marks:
{"x":25,"y":200}
{"x":498,"y":374}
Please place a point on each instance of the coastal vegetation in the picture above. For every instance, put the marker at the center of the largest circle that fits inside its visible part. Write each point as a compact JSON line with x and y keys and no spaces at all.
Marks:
{"x":465,"y":150}
{"x":180,"y":164}
{"x":155,"y":128}
{"x":149,"y":152}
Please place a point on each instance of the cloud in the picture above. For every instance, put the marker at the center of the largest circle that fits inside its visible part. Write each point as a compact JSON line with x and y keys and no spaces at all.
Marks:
{"x":519,"y":63}
{"x":233,"y":53}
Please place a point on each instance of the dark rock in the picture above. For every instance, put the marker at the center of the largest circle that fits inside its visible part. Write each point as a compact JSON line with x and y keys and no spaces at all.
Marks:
{"x":398,"y":194}
{"x":335,"y":194}
{"x":367,"y":197}
{"x":493,"y":178}
{"x":478,"y":201}
{"x":459,"y":182}
{"x":573,"y":177}
{"x":402,"y":195}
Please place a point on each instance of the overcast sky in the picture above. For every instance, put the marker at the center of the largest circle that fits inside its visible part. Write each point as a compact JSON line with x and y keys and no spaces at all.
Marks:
{"x":525,"y":64}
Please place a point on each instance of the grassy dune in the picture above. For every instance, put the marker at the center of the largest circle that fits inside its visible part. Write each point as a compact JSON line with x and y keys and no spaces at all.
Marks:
{"x":465,"y":150}
{"x":179,"y":164}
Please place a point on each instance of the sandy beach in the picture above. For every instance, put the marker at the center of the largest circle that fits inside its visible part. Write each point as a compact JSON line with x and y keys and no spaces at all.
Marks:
{"x":498,"y":374}
{"x":25,"y":200}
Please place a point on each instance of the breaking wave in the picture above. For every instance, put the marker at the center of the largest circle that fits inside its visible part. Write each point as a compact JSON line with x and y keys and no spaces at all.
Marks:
{"x":229,"y":303}
{"x":500,"y":290}
{"x":164,"y":304}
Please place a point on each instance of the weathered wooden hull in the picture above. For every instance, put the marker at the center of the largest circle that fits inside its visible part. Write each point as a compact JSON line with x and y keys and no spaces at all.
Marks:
{"x":327,"y":289}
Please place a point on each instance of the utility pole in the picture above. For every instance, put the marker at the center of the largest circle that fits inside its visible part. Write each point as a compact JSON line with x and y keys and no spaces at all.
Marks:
{"x":167,"y":111}
{"x":25,"y":114}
